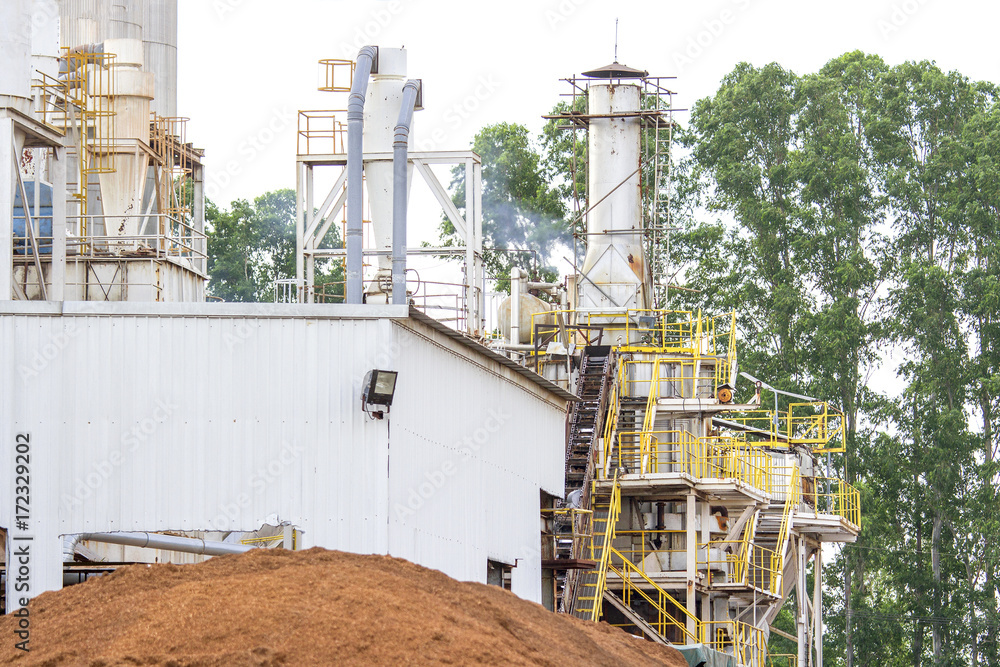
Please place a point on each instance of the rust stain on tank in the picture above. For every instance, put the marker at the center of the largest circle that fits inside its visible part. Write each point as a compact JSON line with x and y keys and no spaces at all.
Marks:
{"x":636,"y":265}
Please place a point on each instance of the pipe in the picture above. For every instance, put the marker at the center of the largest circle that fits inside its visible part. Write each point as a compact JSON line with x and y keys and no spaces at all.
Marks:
{"x":400,"y":152}
{"x":515,"y":305}
{"x":190,"y":545}
{"x":355,"y":170}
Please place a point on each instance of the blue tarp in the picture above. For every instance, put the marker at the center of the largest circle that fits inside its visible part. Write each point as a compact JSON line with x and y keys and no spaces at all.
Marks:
{"x":699,"y":655}
{"x":42,"y":224}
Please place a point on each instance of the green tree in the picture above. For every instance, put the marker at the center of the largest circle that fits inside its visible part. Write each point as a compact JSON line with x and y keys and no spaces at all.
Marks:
{"x":524,"y":218}
{"x":250,"y":245}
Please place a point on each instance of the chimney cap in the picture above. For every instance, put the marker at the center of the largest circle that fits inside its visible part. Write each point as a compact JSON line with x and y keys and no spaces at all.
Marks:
{"x":616,"y":71}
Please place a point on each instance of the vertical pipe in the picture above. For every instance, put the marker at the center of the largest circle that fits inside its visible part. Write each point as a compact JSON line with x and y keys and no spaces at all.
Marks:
{"x":692,"y":556}
{"x":300,"y":244}
{"x":400,"y":152}
{"x":58,"y":276}
{"x":706,"y":537}
{"x":472,"y":301}
{"x":818,"y":604}
{"x":7,"y":182}
{"x":477,"y":223}
{"x":198,"y":203}
{"x":355,"y":171}
{"x":515,"y":306}
{"x":801,"y":602}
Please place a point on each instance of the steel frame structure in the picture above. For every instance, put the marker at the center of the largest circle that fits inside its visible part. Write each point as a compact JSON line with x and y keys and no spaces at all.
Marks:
{"x":313,"y":223}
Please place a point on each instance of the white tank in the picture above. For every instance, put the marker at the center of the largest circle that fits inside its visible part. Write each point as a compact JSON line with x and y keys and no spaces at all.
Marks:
{"x":530,"y":306}
{"x":45,"y":38}
{"x":382,"y":104}
{"x":122,"y":189}
{"x":93,"y":21}
{"x":615,"y":259}
{"x":15,"y":48}
{"x":159,"y":37}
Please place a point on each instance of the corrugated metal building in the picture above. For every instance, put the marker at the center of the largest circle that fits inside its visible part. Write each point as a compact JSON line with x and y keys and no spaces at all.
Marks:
{"x":155,"y":417}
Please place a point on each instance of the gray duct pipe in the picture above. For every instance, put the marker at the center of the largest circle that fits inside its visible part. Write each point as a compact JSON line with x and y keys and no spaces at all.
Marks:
{"x":190,"y":545}
{"x":400,"y":153}
{"x":367,"y":57}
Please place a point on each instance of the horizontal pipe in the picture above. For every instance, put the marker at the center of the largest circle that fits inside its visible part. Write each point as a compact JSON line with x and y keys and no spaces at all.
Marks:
{"x":189,"y":545}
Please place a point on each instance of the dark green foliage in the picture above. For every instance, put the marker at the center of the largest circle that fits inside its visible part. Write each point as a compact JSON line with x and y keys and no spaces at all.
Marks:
{"x":251,"y":245}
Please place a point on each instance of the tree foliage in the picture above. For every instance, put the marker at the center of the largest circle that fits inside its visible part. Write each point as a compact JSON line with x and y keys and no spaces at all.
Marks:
{"x":857,"y":214}
{"x":524,"y":218}
{"x":250,"y":245}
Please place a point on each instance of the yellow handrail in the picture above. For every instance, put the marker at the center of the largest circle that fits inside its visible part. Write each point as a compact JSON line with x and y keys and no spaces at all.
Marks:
{"x":629,"y":588}
{"x":842,"y":500}
{"x":711,"y":457}
{"x":614,"y":511}
{"x":611,"y":415}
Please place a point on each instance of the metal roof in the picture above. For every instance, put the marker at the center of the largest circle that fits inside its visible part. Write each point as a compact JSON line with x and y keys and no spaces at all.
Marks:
{"x":499,"y":358}
{"x":616,"y":71}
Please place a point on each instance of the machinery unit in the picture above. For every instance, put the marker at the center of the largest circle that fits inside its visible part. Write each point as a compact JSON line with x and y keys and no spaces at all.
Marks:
{"x":691,"y":510}
{"x":91,"y":103}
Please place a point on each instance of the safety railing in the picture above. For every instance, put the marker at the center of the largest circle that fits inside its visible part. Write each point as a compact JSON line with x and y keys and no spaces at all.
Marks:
{"x":643,"y":544}
{"x":611,"y":419}
{"x":664,"y":331}
{"x":669,"y":617}
{"x":829,"y":495}
{"x":671,"y":377}
{"x":321,"y":133}
{"x":782,"y":660}
{"x":680,"y":451}
{"x":338,"y":75}
{"x":744,"y":563}
{"x":637,"y":586}
{"x":601,"y":553}
{"x":814,"y":423}
{"x":581,"y":529}
{"x":817,"y":424}
{"x":742,"y":640}
{"x":793,"y":494}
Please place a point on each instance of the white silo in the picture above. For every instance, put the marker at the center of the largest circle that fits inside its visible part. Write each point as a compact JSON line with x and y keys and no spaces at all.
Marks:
{"x":159,"y":39}
{"x":382,"y":103}
{"x":615,"y":264}
{"x":15,"y":48}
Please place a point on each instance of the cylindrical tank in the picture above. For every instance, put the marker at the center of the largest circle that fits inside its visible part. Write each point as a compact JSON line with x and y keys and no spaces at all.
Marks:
{"x":133,"y":90}
{"x":382,"y":104}
{"x":160,"y":44}
{"x":93,"y":21}
{"x":615,"y":260}
{"x":15,"y":48}
{"x":45,"y":38}
{"x":530,"y":306}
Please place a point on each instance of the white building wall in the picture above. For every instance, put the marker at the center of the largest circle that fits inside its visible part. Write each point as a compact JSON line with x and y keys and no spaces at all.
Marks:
{"x":206,"y":416}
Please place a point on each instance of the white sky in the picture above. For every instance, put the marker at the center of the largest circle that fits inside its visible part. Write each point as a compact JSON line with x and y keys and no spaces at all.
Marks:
{"x":247,"y":66}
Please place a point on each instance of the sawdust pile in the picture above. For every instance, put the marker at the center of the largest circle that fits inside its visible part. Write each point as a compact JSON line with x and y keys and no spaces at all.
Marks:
{"x":315,"y":607}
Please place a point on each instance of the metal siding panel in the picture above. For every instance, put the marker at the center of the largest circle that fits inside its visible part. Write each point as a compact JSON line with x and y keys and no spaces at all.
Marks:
{"x":243,"y":388}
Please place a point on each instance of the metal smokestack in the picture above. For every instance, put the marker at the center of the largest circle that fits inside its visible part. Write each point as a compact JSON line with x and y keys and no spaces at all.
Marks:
{"x":615,"y":266}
